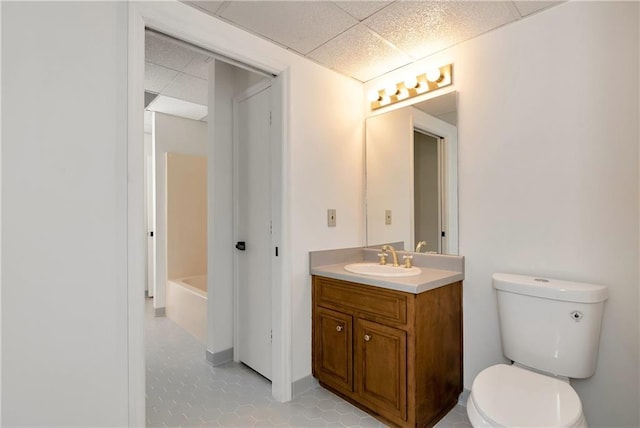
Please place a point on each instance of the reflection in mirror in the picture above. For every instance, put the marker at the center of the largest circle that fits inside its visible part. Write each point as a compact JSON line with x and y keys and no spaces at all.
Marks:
{"x":412,"y":176}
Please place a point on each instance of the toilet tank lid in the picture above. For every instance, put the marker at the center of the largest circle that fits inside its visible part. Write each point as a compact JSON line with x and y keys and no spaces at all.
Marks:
{"x":547,"y":288}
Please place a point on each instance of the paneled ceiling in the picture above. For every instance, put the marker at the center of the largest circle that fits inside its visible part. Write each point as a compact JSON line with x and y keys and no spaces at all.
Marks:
{"x":358,"y":38}
{"x":366,"y":39}
{"x":177,"y":76}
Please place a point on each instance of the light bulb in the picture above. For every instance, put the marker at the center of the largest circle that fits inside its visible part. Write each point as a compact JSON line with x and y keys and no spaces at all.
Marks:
{"x":374,"y":95}
{"x":404,"y":93}
{"x":411,"y":82}
{"x":385,"y":100}
{"x":434,"y":75}
{"x":391,"y":89}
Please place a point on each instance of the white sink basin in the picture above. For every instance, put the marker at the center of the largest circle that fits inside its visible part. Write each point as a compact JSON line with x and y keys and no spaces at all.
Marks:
{"x":375,"y":269}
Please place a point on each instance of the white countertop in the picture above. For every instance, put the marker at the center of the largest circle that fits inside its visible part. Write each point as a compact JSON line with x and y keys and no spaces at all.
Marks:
{"x":428,"y":279}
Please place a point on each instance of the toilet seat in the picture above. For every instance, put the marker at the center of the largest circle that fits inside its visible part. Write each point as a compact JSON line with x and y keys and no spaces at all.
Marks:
{"x":510,"y":396}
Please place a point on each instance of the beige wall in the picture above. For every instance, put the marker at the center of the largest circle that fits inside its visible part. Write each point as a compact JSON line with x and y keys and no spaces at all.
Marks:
{"x":186,"y":215}
{"x":172,"y":134}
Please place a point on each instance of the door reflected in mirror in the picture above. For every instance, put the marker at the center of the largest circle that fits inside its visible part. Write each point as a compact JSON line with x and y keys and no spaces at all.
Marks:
{"x":412,"y":176}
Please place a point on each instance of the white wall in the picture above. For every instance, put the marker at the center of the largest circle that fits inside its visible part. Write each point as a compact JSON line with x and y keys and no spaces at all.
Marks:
{"x":548,"y":138}
{"x":172,"y":134}
{"x":325,"y":163}
{"x":64,"y":214}
{"x":389,"y":180}
{"x":220,"y":190}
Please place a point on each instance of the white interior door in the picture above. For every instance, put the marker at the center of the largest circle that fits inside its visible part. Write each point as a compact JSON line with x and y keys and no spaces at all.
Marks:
{"x":253,"y":227}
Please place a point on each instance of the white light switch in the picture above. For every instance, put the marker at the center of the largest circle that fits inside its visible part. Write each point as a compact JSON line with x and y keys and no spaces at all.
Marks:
{"x":387,"y":216}
{"x":331,"y":217}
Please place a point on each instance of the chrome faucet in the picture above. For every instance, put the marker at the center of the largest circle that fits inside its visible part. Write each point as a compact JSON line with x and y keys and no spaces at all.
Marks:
{"x":393,"y":253}
{"x":420,"y":245}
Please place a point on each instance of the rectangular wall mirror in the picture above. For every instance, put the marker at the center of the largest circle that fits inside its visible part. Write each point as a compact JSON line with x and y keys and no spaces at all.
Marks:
{"x":412,"y":176}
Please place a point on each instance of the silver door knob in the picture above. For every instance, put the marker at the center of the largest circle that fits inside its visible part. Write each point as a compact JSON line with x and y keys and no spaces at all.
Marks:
{"x":367,"y":337}
{"x":338,"y":328}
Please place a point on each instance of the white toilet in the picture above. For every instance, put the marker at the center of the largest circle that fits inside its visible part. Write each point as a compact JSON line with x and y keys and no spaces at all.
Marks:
{"x":550,"y":330}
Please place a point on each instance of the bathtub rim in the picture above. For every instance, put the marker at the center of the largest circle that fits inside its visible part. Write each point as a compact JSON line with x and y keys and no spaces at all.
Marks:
{"x":180,"y":282}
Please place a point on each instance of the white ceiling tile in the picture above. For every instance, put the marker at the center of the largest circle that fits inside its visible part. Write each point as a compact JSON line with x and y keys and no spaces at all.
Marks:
{"x":199,"y":66}
{"x":176,"y":107}
{"x":210,"y":7}
{"x":528,"y":7}
{"x":422,"y":28}
{"x":359,"y":53}
{"x":162,"y":52}
{"x":362,"y":9}
{"x":300,"y":25}
{"x":189,"y":88}
{"x":156,"y":77}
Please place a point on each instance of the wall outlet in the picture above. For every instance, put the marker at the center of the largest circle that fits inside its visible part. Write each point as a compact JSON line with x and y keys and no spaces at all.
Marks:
{"x":387,"y":216}
{"x":331,"y":218}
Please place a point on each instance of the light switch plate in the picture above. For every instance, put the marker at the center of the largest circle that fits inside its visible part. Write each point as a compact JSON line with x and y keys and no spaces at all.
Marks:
{"x":387,"y":216}
{"x":331,"y":217}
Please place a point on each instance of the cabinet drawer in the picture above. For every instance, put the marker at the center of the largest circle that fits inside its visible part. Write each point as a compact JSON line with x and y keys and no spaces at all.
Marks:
{"x":380,"y":304}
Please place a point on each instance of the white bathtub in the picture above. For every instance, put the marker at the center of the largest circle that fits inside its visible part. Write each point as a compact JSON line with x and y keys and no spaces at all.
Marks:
{"x":187,"y":304}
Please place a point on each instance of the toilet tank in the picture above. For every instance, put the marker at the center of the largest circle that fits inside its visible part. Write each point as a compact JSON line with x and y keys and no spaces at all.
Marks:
{"x":550,"y":325}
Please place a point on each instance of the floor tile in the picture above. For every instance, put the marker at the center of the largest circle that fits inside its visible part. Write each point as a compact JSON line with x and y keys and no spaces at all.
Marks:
{"x":183,"y":389}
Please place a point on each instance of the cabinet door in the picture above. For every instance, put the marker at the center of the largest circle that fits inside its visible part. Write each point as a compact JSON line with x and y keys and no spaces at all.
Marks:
{"x":333,"y":349}
{"x":381,"y":368}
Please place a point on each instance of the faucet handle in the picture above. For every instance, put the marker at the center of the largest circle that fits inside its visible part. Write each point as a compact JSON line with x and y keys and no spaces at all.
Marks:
{"x":408,"y":261}
{"x":382,"y":258}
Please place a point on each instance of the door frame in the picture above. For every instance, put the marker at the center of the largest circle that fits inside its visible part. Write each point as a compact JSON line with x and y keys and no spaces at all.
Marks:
{"x":188,"y":24}
{"x":248,"y":93}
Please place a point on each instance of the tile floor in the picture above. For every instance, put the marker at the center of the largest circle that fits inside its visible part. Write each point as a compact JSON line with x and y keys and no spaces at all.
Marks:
{"x":183,"y":389}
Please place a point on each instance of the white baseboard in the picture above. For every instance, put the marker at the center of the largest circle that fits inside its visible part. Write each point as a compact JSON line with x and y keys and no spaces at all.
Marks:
{"x":221,"y":357}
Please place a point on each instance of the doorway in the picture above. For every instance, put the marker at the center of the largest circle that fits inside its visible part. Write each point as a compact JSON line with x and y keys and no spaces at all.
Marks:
{"x":223,"y":184}
{"x":427,"y":191}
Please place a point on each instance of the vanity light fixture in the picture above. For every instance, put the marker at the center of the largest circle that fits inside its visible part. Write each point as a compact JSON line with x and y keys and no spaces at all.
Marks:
{"x":412,"y":86}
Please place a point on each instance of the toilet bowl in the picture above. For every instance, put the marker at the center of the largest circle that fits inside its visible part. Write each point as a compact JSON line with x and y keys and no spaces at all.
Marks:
{"x":512,"y":396}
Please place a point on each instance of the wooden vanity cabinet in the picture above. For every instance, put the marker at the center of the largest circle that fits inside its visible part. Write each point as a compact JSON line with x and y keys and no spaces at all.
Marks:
{"x":396,"y":354}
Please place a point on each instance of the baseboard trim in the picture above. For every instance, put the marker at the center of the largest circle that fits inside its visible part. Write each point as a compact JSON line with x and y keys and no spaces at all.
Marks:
{"x":221,"y":357}
{"x":301,"y":386}
{"x":464,"y":396}
{"x":160,"y":312}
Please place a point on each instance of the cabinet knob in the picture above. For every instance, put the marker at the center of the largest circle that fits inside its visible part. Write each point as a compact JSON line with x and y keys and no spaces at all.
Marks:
{"x":367,"y":337}
{"x":338,"y":328}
